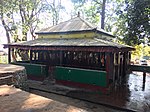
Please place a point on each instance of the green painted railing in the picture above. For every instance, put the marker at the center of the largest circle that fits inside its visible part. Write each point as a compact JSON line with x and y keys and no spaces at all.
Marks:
{"x":140,"y":68}
{"x":34,"y":70}
{"x":85,"y":76}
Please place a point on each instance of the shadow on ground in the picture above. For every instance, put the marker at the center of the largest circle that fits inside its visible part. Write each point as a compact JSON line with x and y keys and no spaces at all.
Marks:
{"x":132,"y":94}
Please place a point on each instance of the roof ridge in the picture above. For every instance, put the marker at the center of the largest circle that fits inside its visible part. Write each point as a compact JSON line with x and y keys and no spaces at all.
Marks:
{"x":87,"y":23}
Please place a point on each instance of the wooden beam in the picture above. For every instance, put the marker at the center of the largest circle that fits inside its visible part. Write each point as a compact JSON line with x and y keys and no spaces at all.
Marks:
{"x":9,"y":55}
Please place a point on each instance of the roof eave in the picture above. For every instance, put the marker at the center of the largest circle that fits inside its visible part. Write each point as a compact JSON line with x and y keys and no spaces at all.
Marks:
{"x":98,"y":31}
{"x":65,"y":32}
{"x":53,"y":46}
{"x":79,"y":31}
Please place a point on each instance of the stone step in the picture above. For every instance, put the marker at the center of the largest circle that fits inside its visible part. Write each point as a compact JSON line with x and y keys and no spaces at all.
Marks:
{"x":6,"y":80}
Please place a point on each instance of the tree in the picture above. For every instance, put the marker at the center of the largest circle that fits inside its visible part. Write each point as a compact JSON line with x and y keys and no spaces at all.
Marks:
{"x":88,"y":9}
{"x":78,"y":7}
{"x":4,"y":24}
{"x":29,"y":11}
{"x":7,"y":10}
{"x":98,"y":11}
{"x":91,"y":12}
{"x":20,"y":14}
{"x":146,"y":51}
{"x":103,"y":14}
{"x":54,"y":7}
{"x":137,"y":52}
{"x":141,"y":50}
{"x":136,"y":17}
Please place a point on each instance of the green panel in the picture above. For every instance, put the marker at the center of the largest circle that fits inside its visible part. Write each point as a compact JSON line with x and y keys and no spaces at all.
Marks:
{"x":34,"y":69}
{"x":92,"y":77}
{"x":140,"y":68}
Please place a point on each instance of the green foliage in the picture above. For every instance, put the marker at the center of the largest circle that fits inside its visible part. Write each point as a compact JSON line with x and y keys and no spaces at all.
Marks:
{"x":54,"y":8}
{"x":140,"y":51}
{"x":27,"y":10}
{"x":91,"y":13}
{"x":146,"y":51}
{"x":88,"y":9}
{"x":135,"y":21}
{"x":7,"y":11}
{"x":129,"y":19}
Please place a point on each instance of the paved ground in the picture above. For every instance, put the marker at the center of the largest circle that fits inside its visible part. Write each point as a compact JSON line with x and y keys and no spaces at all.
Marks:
{"x":15,"y":100}
{"x":133,"y":94}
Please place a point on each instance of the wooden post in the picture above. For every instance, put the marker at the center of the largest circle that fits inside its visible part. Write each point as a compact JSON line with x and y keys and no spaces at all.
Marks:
{"x":144,"y":77}
{"x":107,"y":66}
{"x":144,"y":80}
{"x":111,"y":67}
{"x":30,"y":56}
{"x":118,"y":69}
{"x":9,"y":55}
{"x":125,"y":63}
{"x":61,"y":57}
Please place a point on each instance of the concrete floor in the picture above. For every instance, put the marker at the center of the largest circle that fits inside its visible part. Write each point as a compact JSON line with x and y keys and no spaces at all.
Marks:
{"x":133,"y":94}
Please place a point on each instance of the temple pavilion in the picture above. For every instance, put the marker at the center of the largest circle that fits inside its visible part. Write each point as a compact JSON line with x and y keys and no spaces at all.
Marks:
{"x":74,"y":53}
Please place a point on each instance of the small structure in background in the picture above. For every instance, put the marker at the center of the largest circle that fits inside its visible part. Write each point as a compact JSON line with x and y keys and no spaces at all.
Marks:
{"x":143,"y":62}
{"x":3,"y":57}
{"x":2,"y":53}
{"x":74,"y":53}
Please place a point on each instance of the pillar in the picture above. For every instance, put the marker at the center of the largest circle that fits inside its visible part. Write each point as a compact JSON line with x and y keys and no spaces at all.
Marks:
{"x":9,"y":55}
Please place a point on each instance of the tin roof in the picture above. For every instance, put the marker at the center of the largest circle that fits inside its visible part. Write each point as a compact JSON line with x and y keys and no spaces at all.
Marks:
{"x":73,"y":25}
{"x":80,"y":42}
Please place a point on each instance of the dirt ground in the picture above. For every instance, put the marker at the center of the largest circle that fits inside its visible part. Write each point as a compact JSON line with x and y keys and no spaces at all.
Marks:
{"x":16,"y":100}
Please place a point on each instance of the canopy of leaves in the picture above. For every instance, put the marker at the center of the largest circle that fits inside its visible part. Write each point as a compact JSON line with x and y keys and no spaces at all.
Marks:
{"x":136,"y":19}
{"x":146,"y":51}
{"x":141,"y":51}
{"x":29,"y":11}
{"x":138,"y":52}
{"x":7,"y":10}
{"x":92,"y":11}
{"x":20,"y":14}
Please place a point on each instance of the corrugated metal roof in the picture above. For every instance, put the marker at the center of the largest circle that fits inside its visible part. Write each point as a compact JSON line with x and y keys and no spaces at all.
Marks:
{"x":76,"y":24}
{"x":69,"y":42}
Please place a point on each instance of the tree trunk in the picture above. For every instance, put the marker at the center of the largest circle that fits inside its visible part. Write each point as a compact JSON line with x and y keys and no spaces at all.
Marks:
{"x":6,"y":29}
{"x":24,"y":33}
{"x":33,"y":36}
{"x":103,"y":14}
